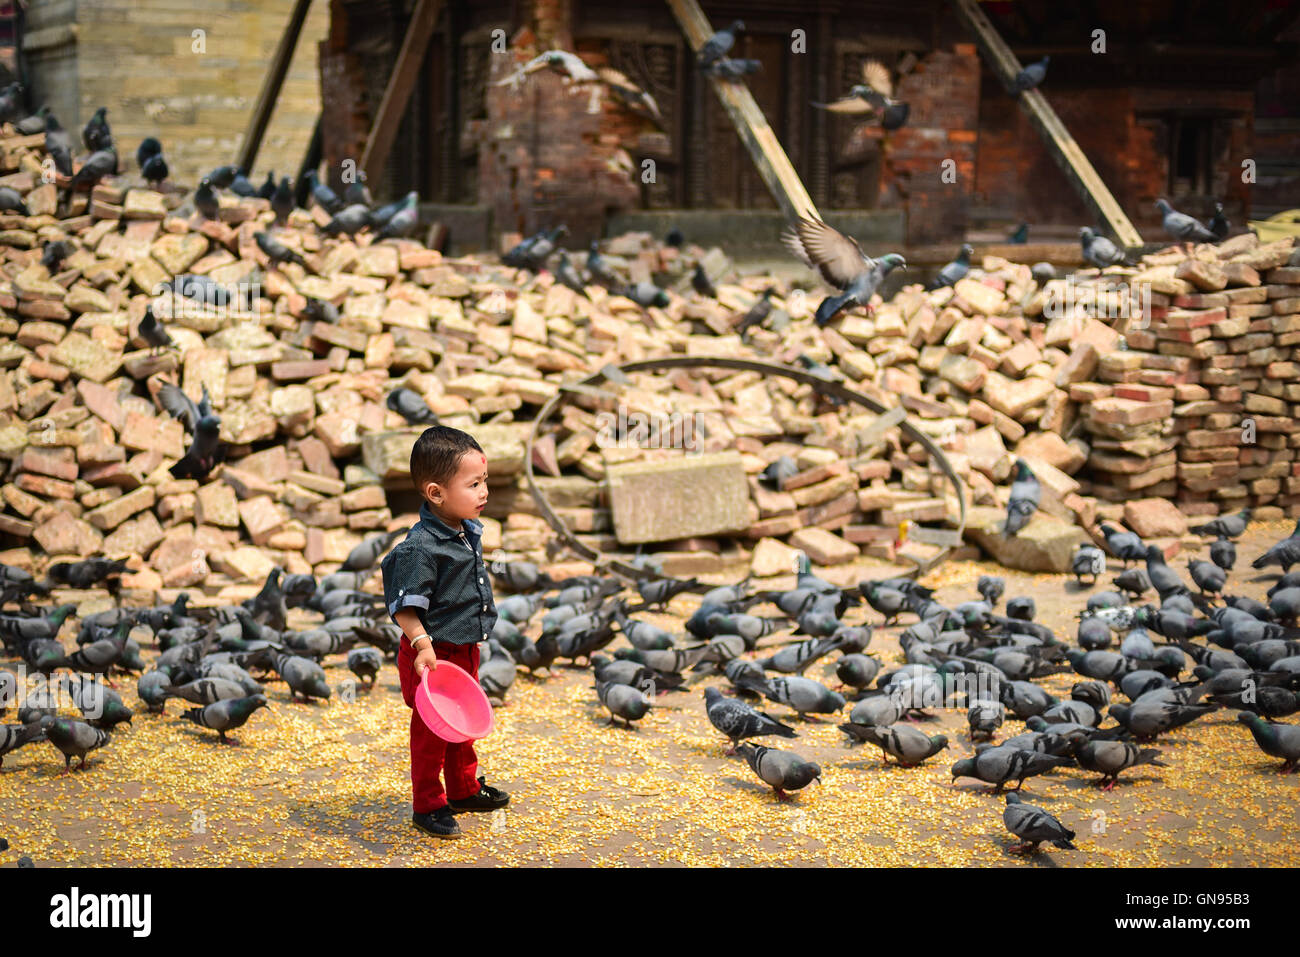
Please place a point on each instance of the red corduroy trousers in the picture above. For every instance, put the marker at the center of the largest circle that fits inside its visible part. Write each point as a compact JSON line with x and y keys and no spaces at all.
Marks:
{"x":431,"y":756}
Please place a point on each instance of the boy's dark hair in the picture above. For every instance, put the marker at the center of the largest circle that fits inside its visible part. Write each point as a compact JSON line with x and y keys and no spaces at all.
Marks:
{"x":436,"y":455}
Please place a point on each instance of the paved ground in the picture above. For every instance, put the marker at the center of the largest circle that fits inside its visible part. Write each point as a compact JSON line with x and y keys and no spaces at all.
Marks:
{"x":327,"y":783}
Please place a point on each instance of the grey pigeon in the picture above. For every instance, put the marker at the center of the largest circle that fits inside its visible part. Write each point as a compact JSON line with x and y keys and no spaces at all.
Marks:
{"x":645,"y":294}
{"x":411,"y":406}
{"x":1088,"y":560}
{"x":1098,"y":250}
{"x":12,"y":201}
{"x":58,"y":143}
{"x":207,"y":690}
{"x":702,"y":284}
{"x":1285,"y":553}
{"x":804,"y":695}
{"x":205,"y":451}
{"x":277,"y":252}
{"x":795,"y":659}
{"x":909,"y":745}
{"x":1163,"y":578}
{"x":1275,"y":740}
{"x":567,"y":273}
{"x":1025,"y":495}
{"x":991,"y":588}
{"x":206,"y":202}
{"x":756,"y":316}
{"x":1223,"y":553}
{"x":496,"y":675}
{"x":226,"y":715}
{"x":738,"y":720}
{"x":781,"y":769}
{"x":75,"y":739}
{"x":719,"y":45}
{"x":983,"y":718}
{"x":729,"y":69}
{"x":955,"y":270}
{"x":622,"y":701}
{"x":350,"y":220}
{"x":857,"y":671}
{"x":1209,"y":578}
{"x":153,"y":333}
{"x":404,"y":221}
{"x":841,"y":262}
{"x":1184,"y":228}
{"x":324,"y":196}
{"x":303,"y":676}
{"x":1133,"y":581}
{"x":14,"y":736}
{"x":1227,"y":526}
{"x":999,"y":765}
{"x":1219,"y":224}
{"x":1033,"y":825}
{"x":367,"y":553}
{"x":365,"y":664}
{"x":1021,"y":608}
{"x":1126,"y":546}
{"x":1032,"y":75}
{"x":282,"y":203}
{"x":1109,"y":758}
{"x":876,"y":711}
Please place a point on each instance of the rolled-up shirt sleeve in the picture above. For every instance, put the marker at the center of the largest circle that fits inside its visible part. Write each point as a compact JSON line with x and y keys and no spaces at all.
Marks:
{"x":408,"y":580}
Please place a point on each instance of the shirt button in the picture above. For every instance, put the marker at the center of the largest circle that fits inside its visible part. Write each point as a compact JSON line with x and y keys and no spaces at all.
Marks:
{"x":485,"y":607}
{"x":485,"y":636}
{"x":480,"y":581}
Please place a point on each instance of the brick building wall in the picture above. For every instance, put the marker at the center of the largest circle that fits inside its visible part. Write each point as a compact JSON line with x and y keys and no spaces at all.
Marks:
{"x":136,"y":57}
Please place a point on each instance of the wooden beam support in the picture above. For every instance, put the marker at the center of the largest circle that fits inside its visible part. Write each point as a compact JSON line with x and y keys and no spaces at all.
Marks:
{"x":400,"y":84}
{"x":274,"y":79}
{"x":1059,"y":142}
{"x":764,"y":148}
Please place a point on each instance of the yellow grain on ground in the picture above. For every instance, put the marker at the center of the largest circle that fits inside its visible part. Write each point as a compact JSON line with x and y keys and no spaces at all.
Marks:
{"x":328,"y":783}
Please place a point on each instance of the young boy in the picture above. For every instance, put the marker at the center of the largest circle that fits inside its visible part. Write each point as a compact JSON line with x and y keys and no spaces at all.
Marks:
{"x":437,"y":590}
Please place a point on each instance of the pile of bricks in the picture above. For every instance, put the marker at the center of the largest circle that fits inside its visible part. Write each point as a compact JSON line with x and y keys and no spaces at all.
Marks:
{"x":315,"y":457}
{"x":1203,"y":406}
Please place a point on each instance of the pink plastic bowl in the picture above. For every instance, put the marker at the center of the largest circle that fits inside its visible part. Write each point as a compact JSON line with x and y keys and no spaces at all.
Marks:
{"x":452,"y":704}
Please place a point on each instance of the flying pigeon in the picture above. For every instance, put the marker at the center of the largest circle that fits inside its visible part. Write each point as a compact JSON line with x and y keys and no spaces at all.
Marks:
{"x":841,"y":263}
{"x":633,"y":96}
{"x":874,"y":95}
{"x":561,"y":62}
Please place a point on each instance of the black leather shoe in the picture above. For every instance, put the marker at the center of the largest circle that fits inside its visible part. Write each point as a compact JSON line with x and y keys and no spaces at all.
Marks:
{"x":439,"y":823}
{"x":487,"y":799}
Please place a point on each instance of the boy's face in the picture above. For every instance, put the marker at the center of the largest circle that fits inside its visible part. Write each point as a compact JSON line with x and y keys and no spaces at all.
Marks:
{"x":465,"y":494}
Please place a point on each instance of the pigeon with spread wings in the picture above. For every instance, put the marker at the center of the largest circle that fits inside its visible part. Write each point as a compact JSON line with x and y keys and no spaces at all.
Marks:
{"x":874,"y":96}
{"x":557,"y":61}
{"x":841,"y":262}
{"x":632,"y":96}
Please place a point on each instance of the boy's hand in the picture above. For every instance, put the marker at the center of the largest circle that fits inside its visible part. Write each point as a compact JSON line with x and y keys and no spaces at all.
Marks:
{"x":425,"y":658}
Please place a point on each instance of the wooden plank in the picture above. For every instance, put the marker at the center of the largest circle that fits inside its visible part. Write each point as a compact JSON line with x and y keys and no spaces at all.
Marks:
{"x":752,"y":126}
{"x":266,"y":99}
{"x":1065,"y":151}
{"x":400,"y":84}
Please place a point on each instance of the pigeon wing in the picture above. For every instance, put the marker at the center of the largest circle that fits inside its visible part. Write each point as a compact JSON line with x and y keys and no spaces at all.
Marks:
{"x":876,"y":75}
{"x":848,"y":106}
{"x":179,"y":405}
{"x":837,"y":257}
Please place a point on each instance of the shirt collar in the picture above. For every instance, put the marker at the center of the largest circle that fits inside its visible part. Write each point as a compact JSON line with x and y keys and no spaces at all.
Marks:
{"x":433,"y":524}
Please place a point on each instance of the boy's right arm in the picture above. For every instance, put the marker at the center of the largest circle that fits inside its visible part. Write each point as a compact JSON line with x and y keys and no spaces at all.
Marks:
{"x":408,"y":586}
